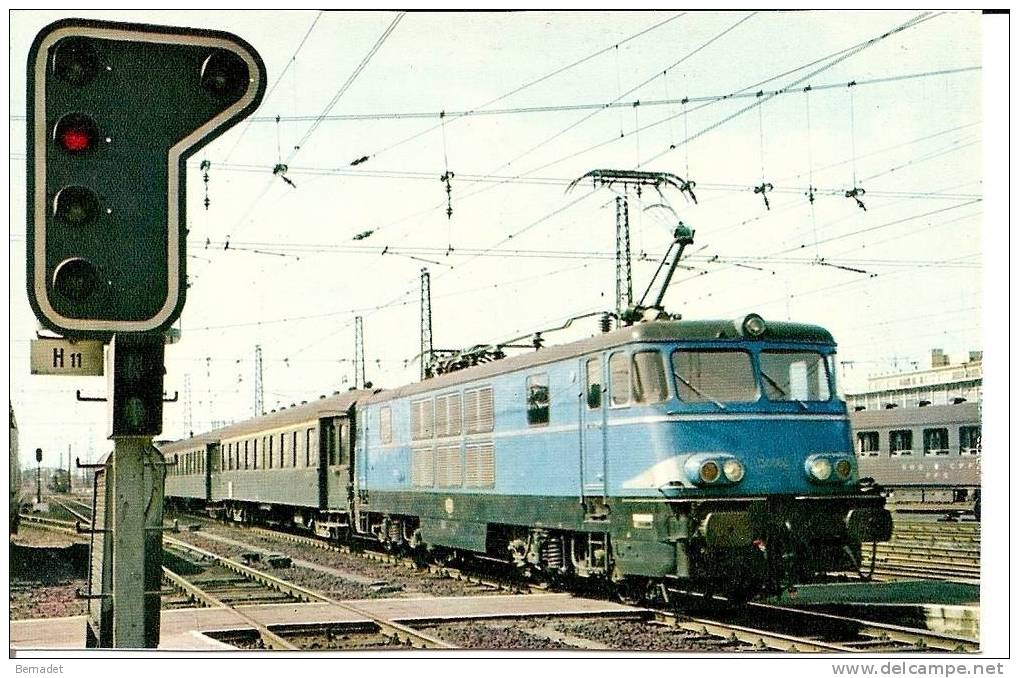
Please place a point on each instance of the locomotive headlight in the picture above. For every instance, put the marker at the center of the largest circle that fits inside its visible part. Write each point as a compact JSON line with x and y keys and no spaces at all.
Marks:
{"x":819,"y":468}
{"x":843,"y":469}
{"x":754,"y":325}
{"x":709,"y":471}
{"x":733,"y":470}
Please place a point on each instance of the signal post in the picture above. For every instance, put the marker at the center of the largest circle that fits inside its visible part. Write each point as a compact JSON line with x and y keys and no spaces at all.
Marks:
{"x":114,"y":112}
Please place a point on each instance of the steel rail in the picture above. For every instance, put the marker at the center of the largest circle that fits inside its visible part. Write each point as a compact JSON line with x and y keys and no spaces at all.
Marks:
{"x":750,"y":636}
{"x":53,"y":524}
{"x":390,"y":559}
{"x":401,"y":632}
{"x":80,"y":516}
{"x":269,"y":638}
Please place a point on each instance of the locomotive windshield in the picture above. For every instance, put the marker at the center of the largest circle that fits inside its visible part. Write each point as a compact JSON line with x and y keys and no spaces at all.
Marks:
{"x":714,"y":376}
{"x":727,"y":376}
{"x":794,"y":375}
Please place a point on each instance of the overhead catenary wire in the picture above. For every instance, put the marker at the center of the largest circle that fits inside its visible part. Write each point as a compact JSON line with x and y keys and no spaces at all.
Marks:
{"x":482,"y":109}
{"x":828,"y":61}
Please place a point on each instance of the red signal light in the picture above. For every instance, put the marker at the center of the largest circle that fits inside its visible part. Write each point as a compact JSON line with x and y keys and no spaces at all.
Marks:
{"x":75,"y":139}
{"x":76,"y":133}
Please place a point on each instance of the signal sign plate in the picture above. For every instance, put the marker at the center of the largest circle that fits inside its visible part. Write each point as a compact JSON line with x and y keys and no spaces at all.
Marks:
{"x":67,"y":358}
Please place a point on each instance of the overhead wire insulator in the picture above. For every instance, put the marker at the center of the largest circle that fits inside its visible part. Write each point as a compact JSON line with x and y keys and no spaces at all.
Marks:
{"x":763,"y":191}
{"x":855,"y":194}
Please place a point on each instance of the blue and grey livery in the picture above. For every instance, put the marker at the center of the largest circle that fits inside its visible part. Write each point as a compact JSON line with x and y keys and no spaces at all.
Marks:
{"x":711,"y":452}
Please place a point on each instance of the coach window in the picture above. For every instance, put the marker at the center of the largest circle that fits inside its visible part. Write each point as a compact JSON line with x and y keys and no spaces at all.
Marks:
{"x":593,"y":367}
{"x":246,"y":462}
{"x":649,"y":384}
{"x":293,"y":449}
{"x":386,"y":425}
{"x":619,"y":379}
{"x":311,"y":446}
{"x":969,"y":440}
{"x":282,"y":439}
{"x":900,"y":443}
{"x":268,"y":451}
{"x":537,"y":400}
{"x":867,"y":444}
{"x":935,"y":441}
{"x":254,"y":454}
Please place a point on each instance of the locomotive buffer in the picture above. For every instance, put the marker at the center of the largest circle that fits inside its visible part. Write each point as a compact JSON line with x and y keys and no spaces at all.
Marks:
{"x":114,"y":112}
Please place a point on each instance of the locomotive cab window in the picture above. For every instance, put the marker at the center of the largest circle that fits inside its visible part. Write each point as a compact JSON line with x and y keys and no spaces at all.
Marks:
{"x":900,"y":442}
{"x":594,"y":387}
{"x":795,"y":375}
{"x":649,"y":385}
{"x":867,"y":444}
{"x":537,"y":400}
{"x":935,"y":441}
{"x":969,"y":440}
{"x":619,"y":379}
{"x":714,"y":376}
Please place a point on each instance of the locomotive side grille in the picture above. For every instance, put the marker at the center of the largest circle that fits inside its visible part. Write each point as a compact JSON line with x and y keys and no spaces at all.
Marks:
{"x":455,"y":414}
{"x":480,"y":465}
{"x":422,"y":466}
{"x":422,"y":419}
{"x":480,"y":410}
{"x":441,"y":415}
{"x":448,"y":466}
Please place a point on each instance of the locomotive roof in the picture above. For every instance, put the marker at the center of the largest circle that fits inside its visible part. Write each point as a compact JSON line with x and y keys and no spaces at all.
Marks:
{"x":335,"y":404}
{"x":656,"y":331}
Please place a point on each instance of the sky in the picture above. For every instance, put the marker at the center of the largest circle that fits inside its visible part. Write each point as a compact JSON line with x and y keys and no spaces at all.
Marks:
{"x":515,"y":106}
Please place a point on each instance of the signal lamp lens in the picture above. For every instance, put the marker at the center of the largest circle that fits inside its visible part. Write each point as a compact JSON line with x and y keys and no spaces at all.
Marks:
{"x":843,"y":468}
{"x":733,"y":470}
{"x":709,"y":472}
{"x":820,"y":468}
{"x":76,"y":279}
{"x":225,"y":75}
{"x":134,"y":414}
{"x":76,"y":133}
{"x":76,"y":206}
{"x":75,"y":61}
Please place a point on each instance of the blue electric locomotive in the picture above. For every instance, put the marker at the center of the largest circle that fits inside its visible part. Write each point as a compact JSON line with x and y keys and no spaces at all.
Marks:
{"x":712,"y":452}
{"x":709,"y":454}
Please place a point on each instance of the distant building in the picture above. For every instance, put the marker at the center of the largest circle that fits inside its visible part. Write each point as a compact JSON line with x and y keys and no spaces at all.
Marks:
{"x":940,"y":384}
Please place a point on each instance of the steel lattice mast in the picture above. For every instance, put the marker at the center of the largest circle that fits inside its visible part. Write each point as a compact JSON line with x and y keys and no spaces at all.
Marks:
{"x":427,"y":350}
{"x":359,"y":375}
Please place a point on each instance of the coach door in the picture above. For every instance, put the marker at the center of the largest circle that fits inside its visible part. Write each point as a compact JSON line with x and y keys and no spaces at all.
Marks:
{"x":211,"y":463}
{"x":592,"y":432}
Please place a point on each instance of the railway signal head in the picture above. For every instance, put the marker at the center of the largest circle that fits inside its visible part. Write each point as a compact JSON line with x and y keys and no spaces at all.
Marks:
{"x":114,"y":112}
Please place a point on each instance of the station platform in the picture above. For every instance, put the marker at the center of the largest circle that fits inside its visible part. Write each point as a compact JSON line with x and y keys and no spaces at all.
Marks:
{"x":946,"y":607}
{"x":185,"y":629}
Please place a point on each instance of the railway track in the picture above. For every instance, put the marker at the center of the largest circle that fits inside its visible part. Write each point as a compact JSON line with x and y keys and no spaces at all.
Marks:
{"x":228,"y":584}
{"x":53,"y":524}
{"x":492,"y":583}
{"x":402,"y":633}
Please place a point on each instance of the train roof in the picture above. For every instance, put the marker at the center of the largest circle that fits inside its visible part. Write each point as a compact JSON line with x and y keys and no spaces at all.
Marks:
{"x":655,"y":331}
{"x":324,"y":406}
{"x":917,"y":416}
